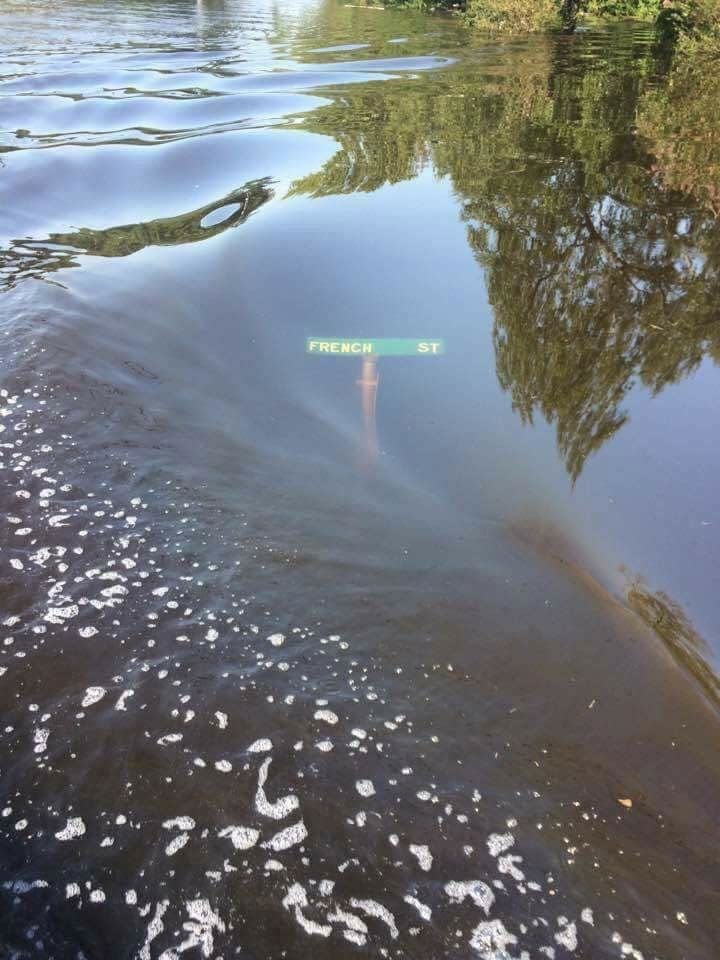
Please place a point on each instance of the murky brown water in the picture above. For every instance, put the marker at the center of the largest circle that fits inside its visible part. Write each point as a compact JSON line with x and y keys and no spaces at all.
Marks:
{"x":296,"y":666}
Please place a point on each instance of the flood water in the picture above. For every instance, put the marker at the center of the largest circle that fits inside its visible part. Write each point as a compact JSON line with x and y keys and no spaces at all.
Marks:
{"x":294,"y":665}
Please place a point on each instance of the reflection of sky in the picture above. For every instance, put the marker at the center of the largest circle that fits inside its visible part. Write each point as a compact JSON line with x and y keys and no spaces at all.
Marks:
{"x":651,"y":494}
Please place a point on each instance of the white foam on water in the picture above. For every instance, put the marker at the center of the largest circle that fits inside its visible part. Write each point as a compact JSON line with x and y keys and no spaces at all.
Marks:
{"x":60,"y":614}
{"x":287,"y":838}
{"x":508,"y":864}
{"x":567,"y":936}
{"x":424,"y":911}
{"x":203,"y":922}
{"x":242,"y":838}
{"x":478,"y":891}
{"x":498,"y":843}
{"x":422,"y":853}
{"x":295,"y":900}
{"x":154,"y":929}
{"x":177,"y":843}
{"x":327,"y":716}
{"x":125,"y":695}
{"x":365,"y":788}
{"x":74,"y":828}
{"x":356,"y":929}
{"x":372,"y":908}
{"x":282,"y":807}
{"x":179,"y":823}
{"x":626,"y":948}
{"x":491,"y":940}
{"x":169,"y":738}
{"x":93,"y":695}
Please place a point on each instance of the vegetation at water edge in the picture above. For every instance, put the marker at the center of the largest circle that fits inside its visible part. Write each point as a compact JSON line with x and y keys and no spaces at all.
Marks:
{"x":698,"y":20}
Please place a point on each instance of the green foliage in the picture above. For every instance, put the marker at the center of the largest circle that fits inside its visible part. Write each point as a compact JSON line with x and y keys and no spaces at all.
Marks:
{"x":530,"y":16}
{"x":512,"y":16}
{"x":680,"y":122}
{"x":697,"y":21}
{"x":638,"y":9}
{"x":425,"y":4}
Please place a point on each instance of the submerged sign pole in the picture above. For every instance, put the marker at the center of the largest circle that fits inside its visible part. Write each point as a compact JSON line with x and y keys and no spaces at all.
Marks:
{"x":369,"y":350}
{"x":368,"y":383}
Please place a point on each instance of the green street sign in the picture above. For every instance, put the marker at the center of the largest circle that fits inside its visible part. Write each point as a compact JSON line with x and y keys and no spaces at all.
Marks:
{"x":373,"y":347}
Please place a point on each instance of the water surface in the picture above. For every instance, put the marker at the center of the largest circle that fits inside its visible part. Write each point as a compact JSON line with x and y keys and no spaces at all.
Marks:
{"x":296,"y":666}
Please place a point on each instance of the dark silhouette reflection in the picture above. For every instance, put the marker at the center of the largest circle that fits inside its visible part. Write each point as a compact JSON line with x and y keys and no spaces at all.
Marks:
{"x":599,"y":274}
{"x":665,"y":617}
{"x":670,"y":623}
{"x":36,"y":259}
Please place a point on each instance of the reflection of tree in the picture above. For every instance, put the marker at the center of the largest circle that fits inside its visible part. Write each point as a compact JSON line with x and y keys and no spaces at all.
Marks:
{"x":35,"y":259}
{"x":577,"y":322}
{"x":681,"y":124}
{"x":671,"y":624}
{"x":382,"y":140}
{"x":190,"y":227}
{"x":598,"y":275}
